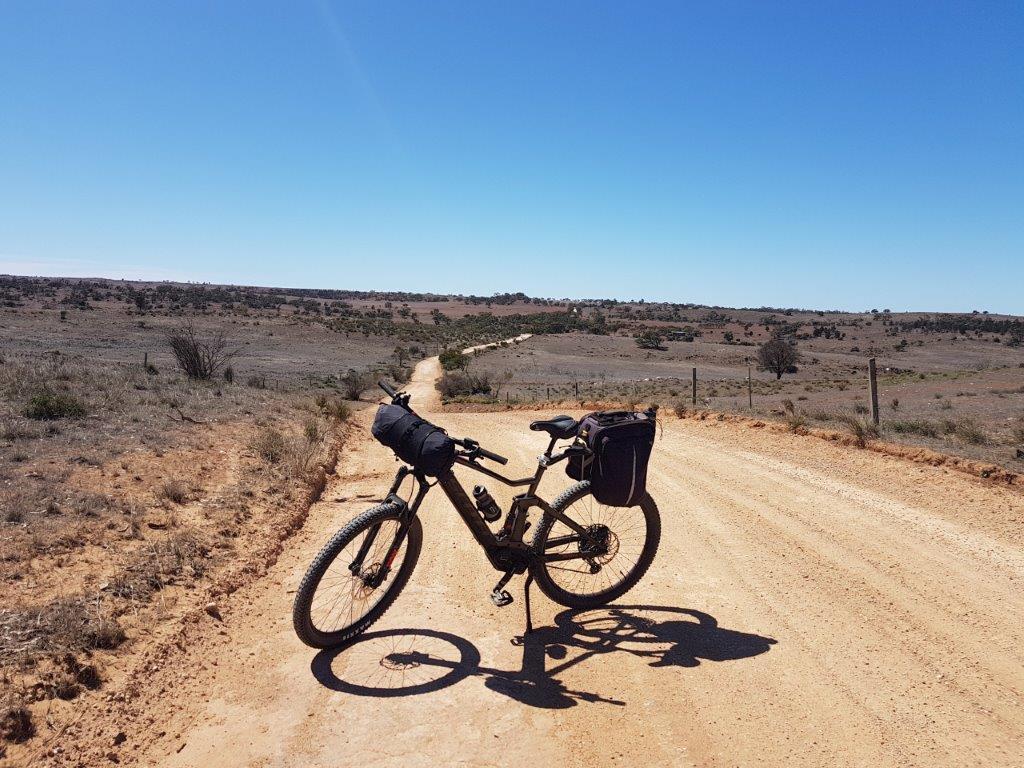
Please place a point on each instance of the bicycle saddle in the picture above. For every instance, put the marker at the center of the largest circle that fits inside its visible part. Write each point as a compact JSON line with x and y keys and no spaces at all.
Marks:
{"x":562,"y":427}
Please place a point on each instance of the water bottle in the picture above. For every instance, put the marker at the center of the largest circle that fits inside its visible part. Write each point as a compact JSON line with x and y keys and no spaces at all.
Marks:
{"x":488,"y":507}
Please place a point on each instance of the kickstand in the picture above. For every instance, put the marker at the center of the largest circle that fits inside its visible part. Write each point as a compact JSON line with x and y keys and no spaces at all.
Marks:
{"x":526,"y":602}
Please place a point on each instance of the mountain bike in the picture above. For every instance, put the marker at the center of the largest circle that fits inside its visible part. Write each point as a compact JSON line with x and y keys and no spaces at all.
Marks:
{"x":582,"y":554}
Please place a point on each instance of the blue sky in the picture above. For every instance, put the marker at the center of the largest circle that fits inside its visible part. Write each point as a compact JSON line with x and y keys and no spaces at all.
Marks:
{"x":810,"y":154}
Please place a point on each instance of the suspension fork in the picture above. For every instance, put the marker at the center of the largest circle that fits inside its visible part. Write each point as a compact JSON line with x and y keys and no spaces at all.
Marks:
{"x":406,"y":515}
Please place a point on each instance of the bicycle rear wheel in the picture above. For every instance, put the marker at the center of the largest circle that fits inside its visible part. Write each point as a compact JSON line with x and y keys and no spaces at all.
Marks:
{"x":629,"y":539}
{"x":341,"y":595}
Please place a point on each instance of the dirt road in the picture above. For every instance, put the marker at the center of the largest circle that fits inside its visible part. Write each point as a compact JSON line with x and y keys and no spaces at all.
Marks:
{"x":810,"y":605}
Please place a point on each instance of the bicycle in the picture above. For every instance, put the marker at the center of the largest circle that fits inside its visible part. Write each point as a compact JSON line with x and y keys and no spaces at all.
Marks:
{"x":582,"y":554}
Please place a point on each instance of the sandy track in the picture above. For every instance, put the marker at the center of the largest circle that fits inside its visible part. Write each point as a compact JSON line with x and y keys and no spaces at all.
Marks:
{"x":810,"y":605}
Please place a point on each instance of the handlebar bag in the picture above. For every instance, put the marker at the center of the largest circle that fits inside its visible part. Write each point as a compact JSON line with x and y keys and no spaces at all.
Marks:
{"x":414,"y":440}
{"x":620,"y":444}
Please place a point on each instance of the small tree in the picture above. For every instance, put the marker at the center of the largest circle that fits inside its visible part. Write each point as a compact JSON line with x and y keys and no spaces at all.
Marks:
{"x":649,"y":339}
{"x":778,"y":356}
{"x":199,"y":357}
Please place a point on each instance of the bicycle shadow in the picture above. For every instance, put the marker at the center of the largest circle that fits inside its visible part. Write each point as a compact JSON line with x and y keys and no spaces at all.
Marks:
{"x":409,"y":662}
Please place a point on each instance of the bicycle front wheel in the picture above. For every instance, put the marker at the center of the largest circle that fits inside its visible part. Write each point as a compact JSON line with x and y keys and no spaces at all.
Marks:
{"x":627,"y":537}
{"x":350,"y":584}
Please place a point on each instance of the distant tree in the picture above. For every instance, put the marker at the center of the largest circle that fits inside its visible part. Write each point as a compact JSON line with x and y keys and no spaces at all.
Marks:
{"x":778,"y":356}
{"x":649,"y":339}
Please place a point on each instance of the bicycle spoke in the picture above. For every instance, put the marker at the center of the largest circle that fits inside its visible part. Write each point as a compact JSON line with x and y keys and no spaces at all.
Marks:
{"x":627,"y":535}
{"x":342,"y":597}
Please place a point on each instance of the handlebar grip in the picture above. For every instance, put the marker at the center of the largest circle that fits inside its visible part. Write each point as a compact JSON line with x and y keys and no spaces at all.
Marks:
{"x":492,"y":456}
{"x":387,"y":388}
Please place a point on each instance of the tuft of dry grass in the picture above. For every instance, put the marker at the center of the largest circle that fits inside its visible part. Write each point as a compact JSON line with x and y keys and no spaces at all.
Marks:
{"x":796,"y":421}
{"x":334,"y":407}
{"x":971,"y":432}
{"x":269,"y":444}
{"x":863,"y":430}
{"x":174,"y":491}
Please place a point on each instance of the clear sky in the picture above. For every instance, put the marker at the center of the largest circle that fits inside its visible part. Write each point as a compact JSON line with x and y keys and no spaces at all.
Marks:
{"x":816,"y":154}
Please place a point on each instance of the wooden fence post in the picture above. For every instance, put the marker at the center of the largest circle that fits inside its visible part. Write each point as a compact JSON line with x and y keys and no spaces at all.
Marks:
{"x":577,"y":384}
{"x":750,"y":390}
{"x":873,"y":384}
{"x":694,"y":386}
{"x":145,"y":361}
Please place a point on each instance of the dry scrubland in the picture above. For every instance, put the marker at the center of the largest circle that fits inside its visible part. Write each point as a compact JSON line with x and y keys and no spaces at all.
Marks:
{"x":949,"y":392}
{"x":133,"y":498}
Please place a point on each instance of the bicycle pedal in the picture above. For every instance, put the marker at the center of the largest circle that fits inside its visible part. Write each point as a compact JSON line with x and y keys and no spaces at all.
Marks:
{"x":502,"y":598}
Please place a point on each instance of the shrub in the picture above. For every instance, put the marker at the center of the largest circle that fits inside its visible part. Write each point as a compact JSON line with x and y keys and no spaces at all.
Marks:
{"x":313,"y":431}
{"x":861,"y":429}
{"x":1017,"y":434}
{"x":333,"y":407}
{"x":796,"y":421}
{"x":788,"y":407}
{"x":173,"y":490}
{"x":229,"y":375}
{"x":971,"y":433}
{"x":47,"y":406}
{"x":353,"y":383}
{"x":915,"y":427}
{"x":257,"y":382}
{"x":679,"y":408}
{"x":860,"y":409}
{"x":453,"y":359}
{"x":458,"y":383}
{"x":269,"y":444}
{"x":199,"y":357}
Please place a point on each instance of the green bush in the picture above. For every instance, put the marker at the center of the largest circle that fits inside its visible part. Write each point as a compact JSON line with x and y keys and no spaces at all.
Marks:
{"x":47,"y":406}
{"x":453,"y":359}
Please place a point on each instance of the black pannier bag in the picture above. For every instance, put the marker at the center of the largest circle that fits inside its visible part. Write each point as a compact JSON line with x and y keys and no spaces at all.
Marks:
{"x":416,"y":441}
{"x":620,"y":444}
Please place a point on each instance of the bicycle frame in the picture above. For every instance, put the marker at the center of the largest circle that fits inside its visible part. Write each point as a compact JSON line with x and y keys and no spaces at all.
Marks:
{"x":508,"y":552}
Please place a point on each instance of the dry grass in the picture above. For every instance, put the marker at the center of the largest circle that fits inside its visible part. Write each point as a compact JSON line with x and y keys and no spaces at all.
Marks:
{"x":62,"y":626}
{"x":49,"y":406}
{"x":333,"y":407}
{"x":269,"y":444}
{"x":182,"y":557}
{"x":174,"y":491}
{"x":796,"y":421}
{"x":921,"y":427}
{"x":862,"y":430}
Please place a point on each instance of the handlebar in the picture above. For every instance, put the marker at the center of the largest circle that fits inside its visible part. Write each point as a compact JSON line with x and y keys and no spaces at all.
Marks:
{"x":475,"y":450}
{"x":469,"y":444}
